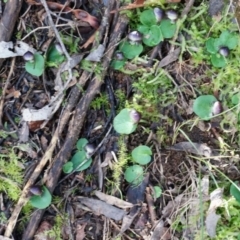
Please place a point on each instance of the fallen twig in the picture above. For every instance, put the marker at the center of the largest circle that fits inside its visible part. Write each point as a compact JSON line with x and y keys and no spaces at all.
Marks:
{"x":79,"y":117}
{"x":5,"y":89}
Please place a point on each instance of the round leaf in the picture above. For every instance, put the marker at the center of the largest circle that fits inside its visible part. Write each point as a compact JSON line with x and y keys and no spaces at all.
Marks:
{"x":36,"y":67}
{"x":218,"y":60}
{"x":157,"y":191}
{"x":142,"y":154}
{"x":42,"y":201}
{"x":235,"y":99}
{"x":123,"y":124}
{"x":227,"y":39}
{"x":143,"y":29}
{"x":202,"y":106}
{"x":130,"y":51}
{"x":210,"y":45}
{"x":68,"y":167}
{"x":80,"y":158}
{"x":117,"y":64}
{"x":168,"y":28}
{"x":153,"y":36}
{"x":81,"y":143}
{"x":148,"y":18}
{"x":134,"y":174}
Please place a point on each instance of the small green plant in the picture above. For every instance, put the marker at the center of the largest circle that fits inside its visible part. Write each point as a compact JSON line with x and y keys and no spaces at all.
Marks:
{"x":56,"y":231}
{"x":71,"y":42}
{"x":42,"y":200}
{"x":54,"y":55}
{"x":151,"y":31}
{"x":206,"y":106}
{"x":219,"y":48}
{"x":134,"y":174}
{"x":35,"y":63}
{"x":142,"y":155}
{"x":81,"y":160}
{"x":126,"y":121}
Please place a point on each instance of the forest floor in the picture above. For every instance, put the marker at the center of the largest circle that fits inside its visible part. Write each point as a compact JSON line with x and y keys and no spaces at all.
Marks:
{"x":120,"y":120}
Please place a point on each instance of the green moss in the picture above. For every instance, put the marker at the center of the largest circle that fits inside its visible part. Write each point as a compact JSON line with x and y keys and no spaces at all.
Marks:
{"x":122,"y":161}
{"x":11,"y":175}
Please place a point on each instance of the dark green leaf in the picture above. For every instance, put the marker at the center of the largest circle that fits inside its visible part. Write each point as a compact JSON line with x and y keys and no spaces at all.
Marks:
{"x":68,"y":167}
{"x":130,"y":51}
{"x":81,"y":143}
{"x":143,"y":29}
{"x":36,"y":67}
{"x":202,"y":106}
{"x":42,"y":201}
{"x":218,"y":60}
{"x":168,"y":28}
{"x":118,"y":64}
{"x":153,"y":36}
{"x":148,"y":18}
{"x":54,"y":58}
{"x":235,"y":99}
{"x":210,"y":45}
{"x":227,"y":39}
{"x":142,"y":154}
{"x":78,"y":159}
{"x":134,"y":174}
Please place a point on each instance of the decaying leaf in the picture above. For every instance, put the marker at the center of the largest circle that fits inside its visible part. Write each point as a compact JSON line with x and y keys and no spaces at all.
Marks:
{"x":192,"y":147}
{"x":161,"y":232}
{"x":100,"y":207}
{"x":80,"y":233}
{"x":23,"y":132}
{"x":96,"y":55}
{"x":212,"y":218}
{"x":44,"y":113}
{"x":171,"y":57}
{"x":9,"y":49}
{"x":78,"y":13}
{"x":113,"y":200}
{"x":128,"y":219}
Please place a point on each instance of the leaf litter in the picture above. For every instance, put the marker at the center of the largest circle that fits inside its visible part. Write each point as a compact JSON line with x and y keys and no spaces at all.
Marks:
{"x":46,"y":140}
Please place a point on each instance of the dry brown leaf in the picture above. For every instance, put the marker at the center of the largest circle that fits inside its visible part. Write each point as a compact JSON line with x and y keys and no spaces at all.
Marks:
{"x":100,"y":207}
{"x":136,"y":4}
{"x":89,"y":41}
{"x":12,"y":92}
{"x":78,"y":13}
{"x":196,"y":148}
{"x":113,"y":200}
{"x":41,"y":232}
{"x":161,"y":232}
{"x":80,"y":235}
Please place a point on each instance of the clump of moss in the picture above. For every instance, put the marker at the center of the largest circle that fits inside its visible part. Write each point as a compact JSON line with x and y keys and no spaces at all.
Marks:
{"x":11,"y":175}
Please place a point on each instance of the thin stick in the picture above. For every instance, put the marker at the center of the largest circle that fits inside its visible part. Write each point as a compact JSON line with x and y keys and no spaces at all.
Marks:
{"x":45,"y":27}
{"x":44,"y":3}
{"x":5,"y":90}
{"x":55,"y":30}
